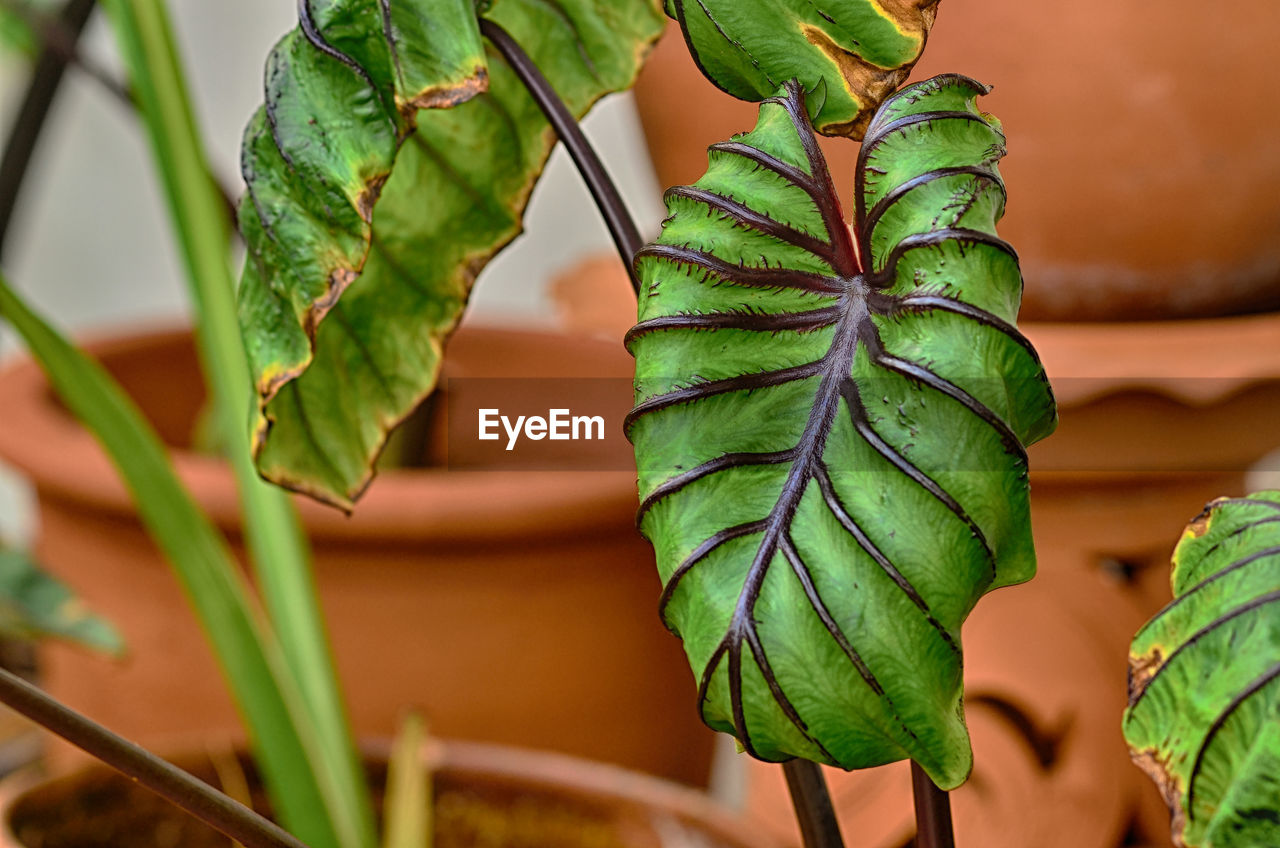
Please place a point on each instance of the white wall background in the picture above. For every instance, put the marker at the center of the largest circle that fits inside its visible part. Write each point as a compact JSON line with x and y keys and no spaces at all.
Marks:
{"x":91,"y":245}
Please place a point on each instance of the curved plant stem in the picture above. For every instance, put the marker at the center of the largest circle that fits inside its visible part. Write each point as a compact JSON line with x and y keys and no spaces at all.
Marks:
{"x":626,"y":236}
{"x":46,"y":79}
{"x":933,"y":812}
{"x":191,"y":794}
{"x":809,"y":796}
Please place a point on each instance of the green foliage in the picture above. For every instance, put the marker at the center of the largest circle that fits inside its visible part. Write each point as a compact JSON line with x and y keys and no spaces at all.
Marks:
{"x":831,"y":455}
{"x":205,"y":568}
{"x":312,"y":769}
{"x":357,"y":272}
{"x":36,"y":605}
{"x":1204,"y":680}
{"x":17,"y":25}
{"x":851,"y":54}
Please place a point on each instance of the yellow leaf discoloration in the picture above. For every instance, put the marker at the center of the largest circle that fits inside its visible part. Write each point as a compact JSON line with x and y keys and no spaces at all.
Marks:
{"x":1171,"y":788}
{"x":1142,"y":669}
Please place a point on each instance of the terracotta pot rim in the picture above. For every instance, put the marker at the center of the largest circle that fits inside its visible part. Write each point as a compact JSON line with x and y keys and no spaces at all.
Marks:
{"x":434,"y":505}
{"x":1194,"y":361}
{"x":561,"y":773}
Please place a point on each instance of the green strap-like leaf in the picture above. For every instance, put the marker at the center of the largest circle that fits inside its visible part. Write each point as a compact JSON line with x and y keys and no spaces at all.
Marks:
{"x":282,"y":733}
{"x":831,"y":455}
{"x":851,"y":53}
{"x":36,"y":605}
{"x":1204,"y":680}
{"x":456,"y":197}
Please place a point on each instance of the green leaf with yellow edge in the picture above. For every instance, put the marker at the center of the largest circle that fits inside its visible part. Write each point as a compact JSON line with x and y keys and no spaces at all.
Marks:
{"x":346,"y":305}
{"x":851,"y":53}
{"x":1204,"y":680}
{"x":36,"y":605}
{"x":830,"y":438}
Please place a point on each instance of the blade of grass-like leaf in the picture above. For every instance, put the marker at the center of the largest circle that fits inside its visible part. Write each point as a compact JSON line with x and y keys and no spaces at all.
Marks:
{"x":275,"y":540}
{"x":36,"y":605}
{"x":407,"y":808}
{"x":202,"y":562}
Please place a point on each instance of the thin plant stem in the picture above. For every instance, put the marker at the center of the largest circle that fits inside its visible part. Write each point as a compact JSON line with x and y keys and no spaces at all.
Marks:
{"x":166,"y":780}
{"x":59,"y":49}
{"x":626,"y":236}
{"x":46,"y":79}
{"x":818,"y":825}
{"x":933,"y":812}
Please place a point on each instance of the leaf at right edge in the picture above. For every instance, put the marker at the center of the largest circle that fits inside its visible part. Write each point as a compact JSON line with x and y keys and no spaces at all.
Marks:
{"x":36,"y":605}
{"x":408,"y":805}
{"x":208,"y":572}
{"x":455,"y":198}
{"x":831,"y":462}
{"x":1204,"y":680}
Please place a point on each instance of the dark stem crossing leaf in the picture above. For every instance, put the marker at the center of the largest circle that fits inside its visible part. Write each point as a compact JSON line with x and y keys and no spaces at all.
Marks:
{"x":829,"y":428}
{"x":1204,"y":679}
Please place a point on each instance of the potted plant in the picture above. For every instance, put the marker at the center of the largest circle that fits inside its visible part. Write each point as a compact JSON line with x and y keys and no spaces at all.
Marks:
{"x":485,"y":559}
{"x":1119,"y":307}
{"x":830,"y":422}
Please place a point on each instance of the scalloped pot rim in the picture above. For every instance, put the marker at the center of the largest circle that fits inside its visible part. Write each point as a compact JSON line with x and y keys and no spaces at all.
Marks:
{"x":1196,"y":362}
{"x":42,"y":440}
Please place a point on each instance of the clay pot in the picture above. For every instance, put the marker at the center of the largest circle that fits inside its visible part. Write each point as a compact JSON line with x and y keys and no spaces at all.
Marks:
{"x":1143,"y":176}
{"x":512,"y":606}
{"x":484,"y":796}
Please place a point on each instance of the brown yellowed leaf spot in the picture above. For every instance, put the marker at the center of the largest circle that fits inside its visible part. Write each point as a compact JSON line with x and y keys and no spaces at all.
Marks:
{"x":1171,"y":789}
{"x":1141,"y":670}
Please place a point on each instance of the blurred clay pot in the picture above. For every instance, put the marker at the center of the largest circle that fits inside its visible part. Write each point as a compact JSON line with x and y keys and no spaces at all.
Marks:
{"x":484,"y":795}
{"x":512,"y":606}
{"x":1143,"y":169}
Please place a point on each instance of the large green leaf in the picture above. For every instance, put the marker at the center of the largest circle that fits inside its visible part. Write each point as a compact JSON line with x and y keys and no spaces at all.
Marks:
{"x":855,"y":53}
{"x":831,"y":453}
{"x":329,"y":391}
{"x":36,"y":605}
{"x":1204,"y":680}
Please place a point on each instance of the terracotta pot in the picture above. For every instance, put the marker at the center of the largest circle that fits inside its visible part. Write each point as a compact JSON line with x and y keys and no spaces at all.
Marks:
{"x":1157,"y":418}
{"x":1141,"y":185}
{"x":514,"y":607}
{"x":484,"y":796}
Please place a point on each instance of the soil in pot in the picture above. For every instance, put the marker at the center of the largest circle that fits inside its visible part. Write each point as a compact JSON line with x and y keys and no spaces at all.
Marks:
{"x":485,"y":797}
